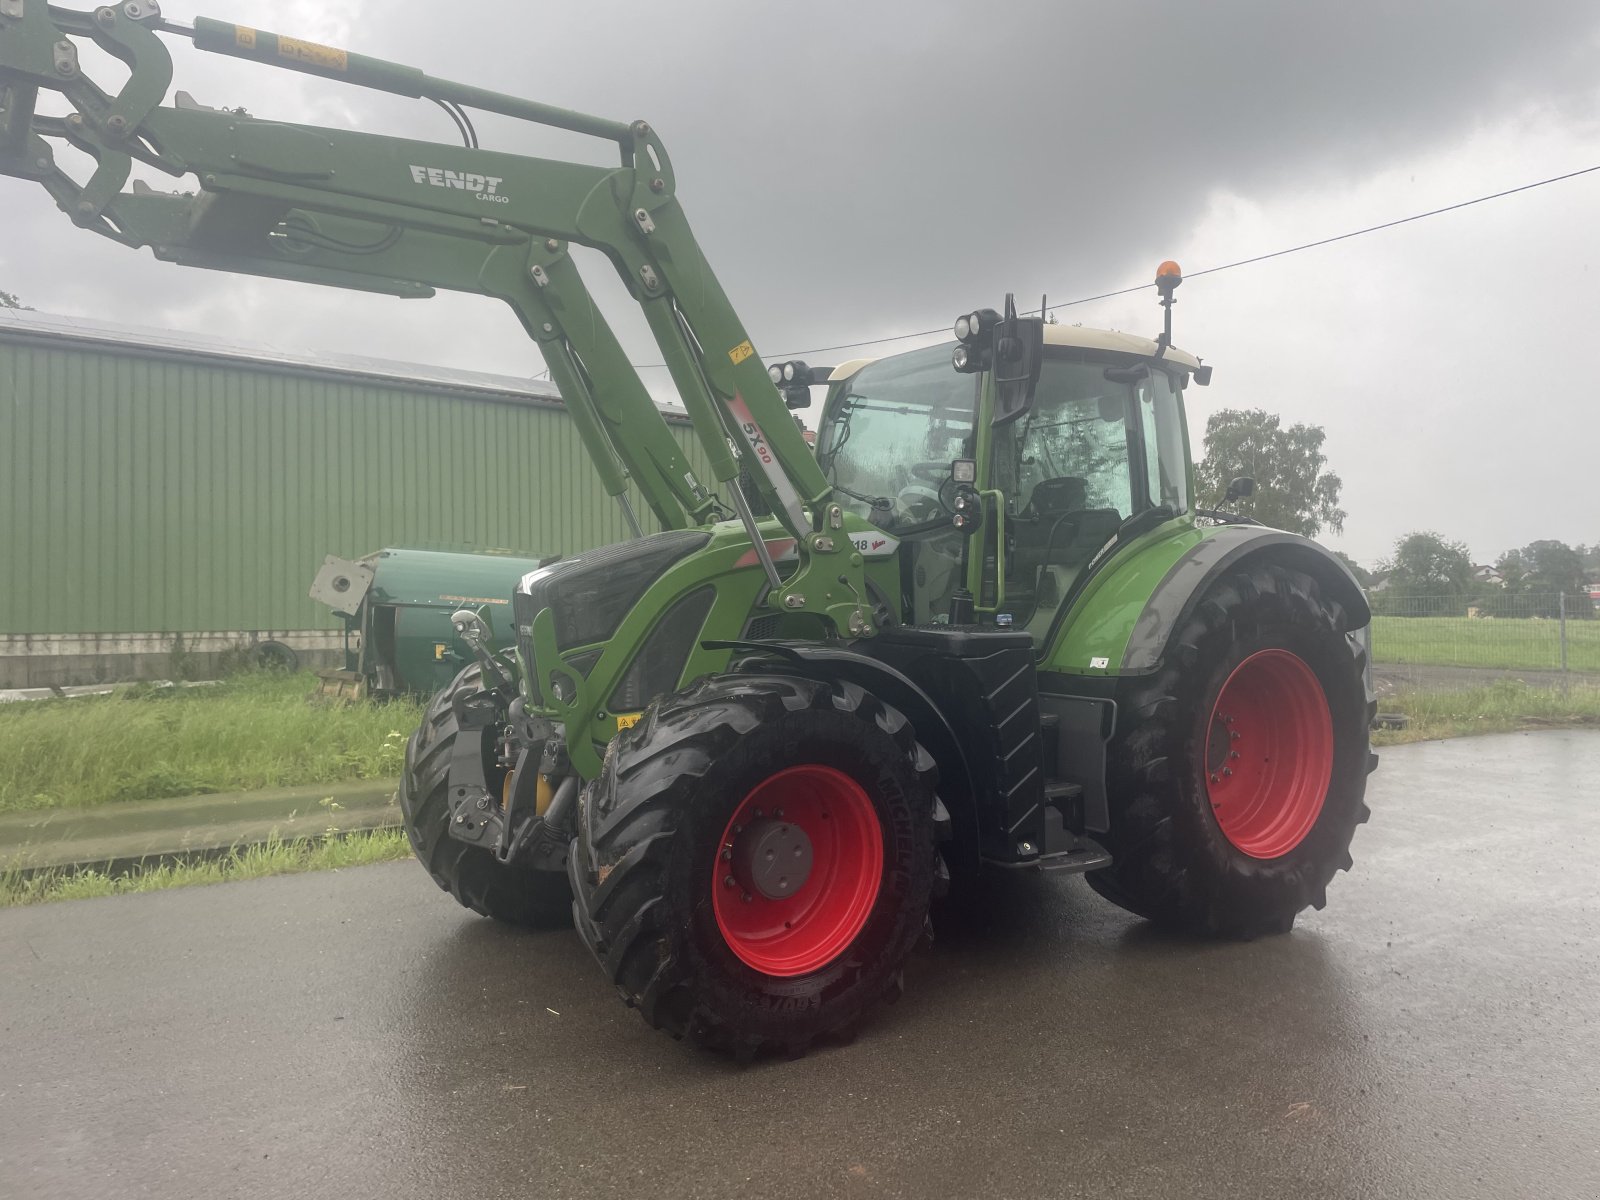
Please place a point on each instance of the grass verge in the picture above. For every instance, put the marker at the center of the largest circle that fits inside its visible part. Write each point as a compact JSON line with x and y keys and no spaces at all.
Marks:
{"x":1505,"y":706}
{"x":273,"y":857}
{"x":251,"y":731}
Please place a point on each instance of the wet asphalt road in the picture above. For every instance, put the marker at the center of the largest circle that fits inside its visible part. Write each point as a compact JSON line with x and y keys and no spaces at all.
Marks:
{"x":1433,"y":1033}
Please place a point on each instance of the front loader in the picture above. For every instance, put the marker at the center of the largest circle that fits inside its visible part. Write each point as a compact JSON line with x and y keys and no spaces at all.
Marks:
{"x":986,"y":626}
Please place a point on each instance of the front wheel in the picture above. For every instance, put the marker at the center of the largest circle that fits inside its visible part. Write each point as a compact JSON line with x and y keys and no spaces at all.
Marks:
{"x":755,"y":860}
{"x":1239,"y":770}
{"x":512,"y":893}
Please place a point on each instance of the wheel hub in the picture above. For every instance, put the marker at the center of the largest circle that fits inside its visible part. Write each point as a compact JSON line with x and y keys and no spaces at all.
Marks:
{"x":772,"y":858}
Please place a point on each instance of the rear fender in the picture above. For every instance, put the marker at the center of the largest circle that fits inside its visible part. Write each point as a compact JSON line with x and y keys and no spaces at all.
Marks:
{"x":1227,"y":549}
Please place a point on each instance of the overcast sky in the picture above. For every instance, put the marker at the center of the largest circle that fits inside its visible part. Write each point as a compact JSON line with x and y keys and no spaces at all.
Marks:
{"x":855,"y":170}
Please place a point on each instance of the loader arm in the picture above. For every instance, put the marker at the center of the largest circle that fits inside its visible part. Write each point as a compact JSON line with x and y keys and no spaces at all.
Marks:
{"x":277,"y":199}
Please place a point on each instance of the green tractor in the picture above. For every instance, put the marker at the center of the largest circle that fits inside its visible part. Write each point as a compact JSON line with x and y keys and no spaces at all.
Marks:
{"x":987,"y":625}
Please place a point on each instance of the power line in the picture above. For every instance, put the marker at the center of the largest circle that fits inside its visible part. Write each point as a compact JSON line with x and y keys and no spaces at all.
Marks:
{"x":1243,"y":262}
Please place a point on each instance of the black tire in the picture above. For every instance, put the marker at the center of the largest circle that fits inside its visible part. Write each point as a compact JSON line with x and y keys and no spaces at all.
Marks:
{"x":1172,"y":862}
{"x":513,"y":894}
{"x":651,"y":829}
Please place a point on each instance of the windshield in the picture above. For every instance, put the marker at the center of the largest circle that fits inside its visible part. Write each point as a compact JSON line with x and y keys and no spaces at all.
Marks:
{"x":886,"y":445}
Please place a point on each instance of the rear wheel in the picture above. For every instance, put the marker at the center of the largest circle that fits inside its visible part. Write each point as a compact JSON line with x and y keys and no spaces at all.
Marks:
{"x":1239,"y":770}
{"x":755,"y":860}
{"x":514,"y":894}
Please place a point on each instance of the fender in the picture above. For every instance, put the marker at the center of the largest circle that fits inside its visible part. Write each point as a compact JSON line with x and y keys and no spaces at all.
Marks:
{"x":1227,"y":549}
{"x":833,"y":661}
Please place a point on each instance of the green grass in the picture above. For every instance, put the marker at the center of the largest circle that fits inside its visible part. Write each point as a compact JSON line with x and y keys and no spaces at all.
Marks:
{"x":1501,"y":707}
{"x":1518,"y":643}
{"x":252,"y":731}
{"x":250,"y":862}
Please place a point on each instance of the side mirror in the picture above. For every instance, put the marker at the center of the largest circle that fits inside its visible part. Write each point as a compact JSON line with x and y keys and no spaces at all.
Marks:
{"x":471,"y":627}
{"x":1018,"y":358}
{"x":1241,"y":488}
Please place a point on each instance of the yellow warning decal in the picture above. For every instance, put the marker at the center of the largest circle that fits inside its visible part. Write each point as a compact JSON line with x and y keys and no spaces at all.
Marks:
{"x":313,"y":54}
{"x":244,"y":37}
{"x":741,"y":352}
{"x":438,"y":651}
{"x":628,"y":720}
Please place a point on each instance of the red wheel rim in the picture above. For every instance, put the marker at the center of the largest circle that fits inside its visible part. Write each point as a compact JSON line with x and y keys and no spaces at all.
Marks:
{"x":1269,"y":754}
{"x":806,"y":807}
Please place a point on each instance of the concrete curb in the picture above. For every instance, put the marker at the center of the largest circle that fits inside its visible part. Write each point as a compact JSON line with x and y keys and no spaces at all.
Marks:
{"x":190,"y":826}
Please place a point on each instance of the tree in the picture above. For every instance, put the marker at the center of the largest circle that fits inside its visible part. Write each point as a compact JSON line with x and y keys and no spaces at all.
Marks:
{"x":1428,"y":577}
{"x":1293,"y":491}
{"x":1539,"y":573}
{"x":7,"y":300}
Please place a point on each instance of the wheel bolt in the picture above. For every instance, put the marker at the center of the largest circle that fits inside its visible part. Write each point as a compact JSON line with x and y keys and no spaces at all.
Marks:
{"x":729,"y":881}
{"x":778,"y":812}
{"x":1234,"y":735}
{"x":727,"y":854}
{"x":747,"y":897}
{"x":1228,"y":771}
{"x":1216,"y":779}
{"x":758,"y":814}
{"x":1233,"y":754}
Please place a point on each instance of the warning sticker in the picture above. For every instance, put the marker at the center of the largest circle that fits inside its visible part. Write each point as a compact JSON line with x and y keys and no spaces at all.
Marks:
{"x":244,"y":37}
{"x":628,"y":720}
{"x":741,"y":352}
{"x":313,"y":54}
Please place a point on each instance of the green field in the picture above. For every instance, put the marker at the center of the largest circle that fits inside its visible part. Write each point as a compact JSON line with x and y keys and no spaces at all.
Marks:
{"x":251,"y":731}
{"x":1517,"y":643}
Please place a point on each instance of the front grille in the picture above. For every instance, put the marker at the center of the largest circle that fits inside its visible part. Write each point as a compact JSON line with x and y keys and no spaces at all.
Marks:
{"x":590,"y":595}
{"x":655,"y":669}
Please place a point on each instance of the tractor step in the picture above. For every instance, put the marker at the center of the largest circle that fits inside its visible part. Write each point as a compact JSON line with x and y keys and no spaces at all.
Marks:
{"x":1079,"y":855}
{"x":1087,"y":855}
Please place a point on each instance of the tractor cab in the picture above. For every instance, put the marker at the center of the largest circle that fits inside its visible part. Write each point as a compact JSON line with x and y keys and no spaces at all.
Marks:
{"x":1100,"y":441}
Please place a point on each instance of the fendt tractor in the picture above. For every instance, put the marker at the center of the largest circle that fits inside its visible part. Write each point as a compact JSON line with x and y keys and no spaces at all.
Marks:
{"x":986,"y":625}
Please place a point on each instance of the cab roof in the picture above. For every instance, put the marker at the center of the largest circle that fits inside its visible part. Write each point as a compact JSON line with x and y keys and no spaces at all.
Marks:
{"x":1072,"y":335}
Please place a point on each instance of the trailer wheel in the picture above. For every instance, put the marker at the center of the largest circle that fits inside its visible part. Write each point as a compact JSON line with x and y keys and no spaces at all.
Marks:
{"x":754,"y":862}
{"x":1239,"y":770}
{"x":513,"y":894}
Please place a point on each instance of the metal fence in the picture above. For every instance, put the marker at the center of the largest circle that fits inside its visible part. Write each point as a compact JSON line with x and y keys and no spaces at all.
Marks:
{"x":1438,"y":641}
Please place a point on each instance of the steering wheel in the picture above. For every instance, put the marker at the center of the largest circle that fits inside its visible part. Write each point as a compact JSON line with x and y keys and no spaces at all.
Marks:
{"x":917,"y":504}
{"x":930,"y":472}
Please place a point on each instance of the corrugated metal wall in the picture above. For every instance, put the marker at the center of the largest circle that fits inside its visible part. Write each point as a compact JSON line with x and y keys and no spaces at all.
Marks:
{"x":171,"y":494}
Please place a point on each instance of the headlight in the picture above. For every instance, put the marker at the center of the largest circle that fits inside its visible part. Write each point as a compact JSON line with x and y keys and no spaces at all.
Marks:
{"x":963,"y":328}
{"x":959,"y":358}
{"x":775,"y":374}
{"x":788,"y":372}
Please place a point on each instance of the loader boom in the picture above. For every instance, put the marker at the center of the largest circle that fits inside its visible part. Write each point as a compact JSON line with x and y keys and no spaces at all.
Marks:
{"x":405,"y":216}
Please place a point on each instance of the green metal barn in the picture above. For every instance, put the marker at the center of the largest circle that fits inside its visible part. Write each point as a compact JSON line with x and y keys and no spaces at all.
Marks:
{"x":163,"y":492}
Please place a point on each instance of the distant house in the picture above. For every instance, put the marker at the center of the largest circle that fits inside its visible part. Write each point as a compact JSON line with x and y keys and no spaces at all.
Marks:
{"x":1483,"y":573}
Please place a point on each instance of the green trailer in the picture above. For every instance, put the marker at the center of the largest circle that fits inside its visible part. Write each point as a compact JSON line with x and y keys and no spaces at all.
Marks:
{"x":396,"y":606}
